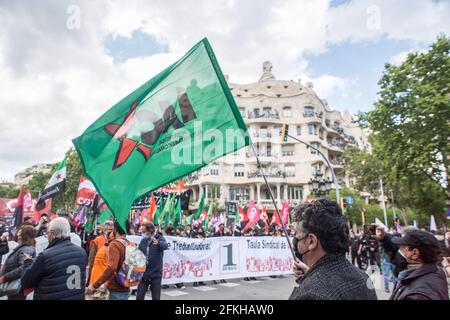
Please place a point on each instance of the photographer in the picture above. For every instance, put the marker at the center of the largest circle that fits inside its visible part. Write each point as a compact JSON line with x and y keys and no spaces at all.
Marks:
{"x":373,"y":247}
{"x":42,"y":226}
{"x":353,"y":248}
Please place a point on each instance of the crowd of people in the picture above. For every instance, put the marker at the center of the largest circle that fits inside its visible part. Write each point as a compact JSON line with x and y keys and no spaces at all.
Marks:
{"x":417,"y":260}
{"x":331,"y":260}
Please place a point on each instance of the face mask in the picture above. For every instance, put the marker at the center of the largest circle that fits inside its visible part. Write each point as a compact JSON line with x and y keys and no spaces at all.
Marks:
{"x":298,"y":254}
{"x":408,"y":261}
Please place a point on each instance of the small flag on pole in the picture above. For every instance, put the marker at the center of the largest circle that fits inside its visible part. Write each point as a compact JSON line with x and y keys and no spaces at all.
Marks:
{"x":55,"y":186}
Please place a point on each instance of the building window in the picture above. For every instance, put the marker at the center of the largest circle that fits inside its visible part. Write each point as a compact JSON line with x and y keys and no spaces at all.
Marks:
{"x":308,"y":111}
{"x":312,"y":129}
{"x":239,"y":194}
{"x":269,"y":149}
{"x":299,"y":130}
{"x":276,"y":131}
{"x":267,"y":111}
{"x":238,"y":170}
{"x":316,"y":169}
{"x":289,"y":170}
{"x":263,"y":132}
{"x":315,"y":145}
{"x":321,"y":134}
{"x":287,"y":150}
{"x":214,"y":169}
{"x":295,"y":193}
{"x":213,"y":191}
{"x":287,"y":112}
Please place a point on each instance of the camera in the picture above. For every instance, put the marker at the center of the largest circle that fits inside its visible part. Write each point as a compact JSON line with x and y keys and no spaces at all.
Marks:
{"x":370,"y":230}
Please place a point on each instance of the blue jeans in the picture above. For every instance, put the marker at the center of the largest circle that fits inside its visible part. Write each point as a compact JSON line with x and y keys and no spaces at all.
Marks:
{"x":118,"y":295}
{"x":388,"y":268}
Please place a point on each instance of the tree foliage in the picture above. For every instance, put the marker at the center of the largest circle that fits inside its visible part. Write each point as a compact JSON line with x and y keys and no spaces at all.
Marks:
{"x":409,"y":133}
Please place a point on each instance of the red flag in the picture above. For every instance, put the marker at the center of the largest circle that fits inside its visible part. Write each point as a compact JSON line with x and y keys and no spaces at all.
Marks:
{"x":86,"y":193}
{"x":264,"y":217}
{"x":27,"y":201}
{"x":152,"y":209}
{"x":18,"y":212}
{"x":47,"y":209}
{"x":242,"y":215}
{"x":275,"y":219}
{"x":143,"y":218}
{"x":253,"y":215}
{"x":285,"y":213}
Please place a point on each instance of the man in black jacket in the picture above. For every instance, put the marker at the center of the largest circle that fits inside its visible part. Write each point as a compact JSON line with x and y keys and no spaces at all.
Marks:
{"x":321,"y":241}
{"x":152,"y":245}
{"x":423,"y":279}
{"x":59,"y":272}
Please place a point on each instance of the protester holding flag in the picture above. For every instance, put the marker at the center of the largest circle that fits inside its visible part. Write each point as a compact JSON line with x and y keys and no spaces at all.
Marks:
{"x":323,"y":272}
{"x":42,"y":226}
{"x":152,"y":245}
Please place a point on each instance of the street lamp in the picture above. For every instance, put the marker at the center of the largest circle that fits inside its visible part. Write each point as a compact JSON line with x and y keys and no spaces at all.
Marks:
{"x":319,"y":185}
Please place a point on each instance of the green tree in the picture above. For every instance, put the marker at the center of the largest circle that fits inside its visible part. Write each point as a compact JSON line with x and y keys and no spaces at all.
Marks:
{"x":74,"y":172}
{"x":409,"y":132}
{"x":411,"y":119}
{"x":38,"y":182}
{"x":9,"y":192}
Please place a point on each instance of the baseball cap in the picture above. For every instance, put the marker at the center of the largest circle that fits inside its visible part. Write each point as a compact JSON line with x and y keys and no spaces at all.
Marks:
{"x":422,"y":240}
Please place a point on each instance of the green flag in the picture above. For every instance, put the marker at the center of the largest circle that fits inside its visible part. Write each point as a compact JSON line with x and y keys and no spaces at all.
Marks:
{"x":209,"y":215}
{"x":158,"y":213}
{"x":201,"y":207}
{"x":176,"y":123}
{"x":90,"y":223}
{"x":169,"y":212}
{"x":105,"y":214}
{"x":236,"y":215}
{"x":166,"y":211}
{"x":178,"y":213}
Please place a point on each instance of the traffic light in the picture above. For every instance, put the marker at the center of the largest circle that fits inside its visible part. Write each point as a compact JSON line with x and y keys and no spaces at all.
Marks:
{"x":285,"y":132}
{"x":344,"y":205}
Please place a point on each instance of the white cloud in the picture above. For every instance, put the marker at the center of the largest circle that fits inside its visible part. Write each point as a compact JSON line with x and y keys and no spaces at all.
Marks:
{"x":56,"y":81}
{"x":362,"y":20}
{"x":401,"y":56}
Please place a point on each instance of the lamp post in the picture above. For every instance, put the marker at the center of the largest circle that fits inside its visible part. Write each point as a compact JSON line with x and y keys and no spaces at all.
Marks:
{"x":319,"y":185}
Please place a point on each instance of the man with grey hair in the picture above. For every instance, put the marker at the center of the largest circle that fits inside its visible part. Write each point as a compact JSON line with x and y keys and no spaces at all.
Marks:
{"x":59,"y":272}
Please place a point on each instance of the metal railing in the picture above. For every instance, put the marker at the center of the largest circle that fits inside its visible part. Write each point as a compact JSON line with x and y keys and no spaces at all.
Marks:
{"x":278,"y":174}
{"x":263,"y":115}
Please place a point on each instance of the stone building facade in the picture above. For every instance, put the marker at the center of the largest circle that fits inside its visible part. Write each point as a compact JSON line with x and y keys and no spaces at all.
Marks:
{"x":289,"y":166}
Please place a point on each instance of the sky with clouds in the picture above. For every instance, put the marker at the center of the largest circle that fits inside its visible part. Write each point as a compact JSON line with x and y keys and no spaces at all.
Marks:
{"x":64,"y":63}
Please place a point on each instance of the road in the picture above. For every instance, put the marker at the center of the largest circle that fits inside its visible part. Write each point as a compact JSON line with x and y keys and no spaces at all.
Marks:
{"x":264,"y":288}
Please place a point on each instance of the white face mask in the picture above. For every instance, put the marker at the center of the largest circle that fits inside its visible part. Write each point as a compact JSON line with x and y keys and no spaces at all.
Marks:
{"x":409,"y":261}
